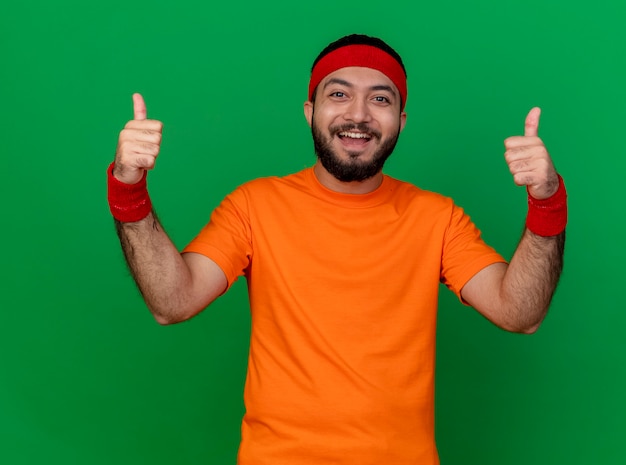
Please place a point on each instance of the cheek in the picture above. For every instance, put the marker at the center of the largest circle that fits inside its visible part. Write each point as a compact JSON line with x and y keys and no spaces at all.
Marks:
{"x":326,"y":114}
{"x":325,"y":119}
{"x":390,"y":123}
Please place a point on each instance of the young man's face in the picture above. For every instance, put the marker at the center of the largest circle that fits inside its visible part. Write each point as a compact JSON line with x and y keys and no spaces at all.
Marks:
{"x":355,"y":121}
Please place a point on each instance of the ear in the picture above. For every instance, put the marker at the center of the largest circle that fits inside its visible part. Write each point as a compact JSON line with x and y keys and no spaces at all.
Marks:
{"x":402,"y":120}
{"x":308,"y":112}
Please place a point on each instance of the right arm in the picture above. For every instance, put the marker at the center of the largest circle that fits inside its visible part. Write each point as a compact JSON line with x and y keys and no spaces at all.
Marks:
{"x":175,"y":287}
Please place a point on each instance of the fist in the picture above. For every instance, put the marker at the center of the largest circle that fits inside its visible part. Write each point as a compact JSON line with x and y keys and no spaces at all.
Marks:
{"x":529,"y":161}
{"x":138,"y":145}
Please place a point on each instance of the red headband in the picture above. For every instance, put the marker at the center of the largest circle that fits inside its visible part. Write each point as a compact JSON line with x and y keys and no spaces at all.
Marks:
{"x":366,"y":56}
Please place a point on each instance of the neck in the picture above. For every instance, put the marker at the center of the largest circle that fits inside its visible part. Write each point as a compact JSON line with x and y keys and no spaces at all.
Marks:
{"x":353,"y":187}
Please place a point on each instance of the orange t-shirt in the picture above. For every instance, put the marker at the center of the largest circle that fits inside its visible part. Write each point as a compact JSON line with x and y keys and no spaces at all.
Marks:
{"x":343,"y":295}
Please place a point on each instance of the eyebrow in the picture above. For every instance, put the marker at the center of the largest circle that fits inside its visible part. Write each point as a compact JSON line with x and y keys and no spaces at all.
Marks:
{"x":343,"y":82}
{"x":384,"y":87}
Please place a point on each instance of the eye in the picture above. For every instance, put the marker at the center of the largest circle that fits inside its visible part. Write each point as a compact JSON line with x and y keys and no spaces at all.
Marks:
{"x":381,"y":99}
{"x":338,"y":94}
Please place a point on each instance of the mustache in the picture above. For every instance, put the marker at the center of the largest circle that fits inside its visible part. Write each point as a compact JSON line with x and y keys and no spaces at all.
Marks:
{"x":361,"y":127}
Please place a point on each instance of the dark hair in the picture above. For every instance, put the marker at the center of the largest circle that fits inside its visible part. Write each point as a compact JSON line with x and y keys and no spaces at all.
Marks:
{"x":359,"y":39}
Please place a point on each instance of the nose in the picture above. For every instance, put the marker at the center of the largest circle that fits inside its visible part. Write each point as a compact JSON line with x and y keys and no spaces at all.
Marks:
{"x":358,"y":111}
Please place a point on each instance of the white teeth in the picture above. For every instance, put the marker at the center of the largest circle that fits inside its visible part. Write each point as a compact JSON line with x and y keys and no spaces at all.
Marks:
{"x":354,"y":135}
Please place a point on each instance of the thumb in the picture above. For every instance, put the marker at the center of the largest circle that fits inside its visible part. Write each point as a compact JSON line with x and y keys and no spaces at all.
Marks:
{"x":532,"y":122}
{"x":139,"y":107}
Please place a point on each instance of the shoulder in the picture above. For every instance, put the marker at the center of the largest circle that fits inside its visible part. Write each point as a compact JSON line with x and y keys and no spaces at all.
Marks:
{"x":275,"y":182}
{"x":263,"y":191}
{"x":406,"y":192}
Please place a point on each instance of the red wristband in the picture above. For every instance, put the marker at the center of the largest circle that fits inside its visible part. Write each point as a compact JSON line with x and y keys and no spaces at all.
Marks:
{"x":548,"y":217}
{"x":128,"y":202}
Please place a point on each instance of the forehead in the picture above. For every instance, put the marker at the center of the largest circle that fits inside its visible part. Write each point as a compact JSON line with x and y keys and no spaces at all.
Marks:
{"x":358,"y":76}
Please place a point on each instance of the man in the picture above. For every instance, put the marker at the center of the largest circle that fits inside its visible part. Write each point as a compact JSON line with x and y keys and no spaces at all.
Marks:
{"x":343,"y":265}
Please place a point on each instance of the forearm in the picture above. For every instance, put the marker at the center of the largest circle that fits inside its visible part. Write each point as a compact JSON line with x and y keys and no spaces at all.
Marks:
{"x":161,"y":274}
{"x":174,"y":287}
{"x":516,"y":296}
{"x":530,"y":280}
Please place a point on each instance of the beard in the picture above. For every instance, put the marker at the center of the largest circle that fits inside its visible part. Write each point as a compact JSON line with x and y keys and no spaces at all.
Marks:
{"x":353,"y":169}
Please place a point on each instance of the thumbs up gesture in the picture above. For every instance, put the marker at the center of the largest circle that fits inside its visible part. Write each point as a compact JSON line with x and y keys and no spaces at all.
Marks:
{"x":529,"y":161}
{"x":138,"y":145}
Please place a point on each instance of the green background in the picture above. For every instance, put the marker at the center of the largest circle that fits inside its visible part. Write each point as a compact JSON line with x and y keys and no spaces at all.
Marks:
{"x":88,"y":377}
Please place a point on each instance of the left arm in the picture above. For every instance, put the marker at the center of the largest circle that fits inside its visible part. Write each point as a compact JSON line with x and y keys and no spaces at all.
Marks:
{"x":516,"y":296}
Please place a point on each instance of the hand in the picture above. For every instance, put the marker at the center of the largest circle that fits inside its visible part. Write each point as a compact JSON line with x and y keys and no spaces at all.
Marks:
{"x":138,"y":146}
{"x":529,"y":161}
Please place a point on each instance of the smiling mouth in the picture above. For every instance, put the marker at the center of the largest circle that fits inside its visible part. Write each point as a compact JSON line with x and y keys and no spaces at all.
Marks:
{"x":354,"y":135}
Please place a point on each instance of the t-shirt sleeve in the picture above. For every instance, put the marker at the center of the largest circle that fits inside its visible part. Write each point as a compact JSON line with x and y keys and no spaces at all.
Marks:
{"x":226,"y":239}
{"x":464,"y":252}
